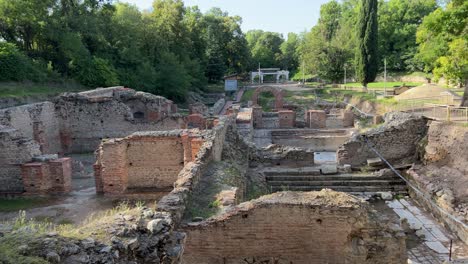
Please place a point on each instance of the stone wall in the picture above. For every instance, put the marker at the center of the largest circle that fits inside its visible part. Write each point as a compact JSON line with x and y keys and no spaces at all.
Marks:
{"x":89,"y":117}
{"x":287,"y":118}
{"x":397,"y":140}
{"x":144,"y":161}
{"x":211,"y":150}
{"x":51,"y":176}
{"x":36,"y":121}
{"x":443,"y":178}
{"x":316,"y":119}
{"x":313,"y":139}
{"x":15,"y":151}
{"x":289,"y":227}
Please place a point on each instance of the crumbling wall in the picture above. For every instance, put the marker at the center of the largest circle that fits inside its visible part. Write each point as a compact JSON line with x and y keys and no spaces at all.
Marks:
{"x":144,"y":161}
{"x":89,"y":117}
{"x":36,"y":121}
{"x":443,"y":177}
{"x":290,"y":227}
{"x":15,"y":150}
{"x":211,"y":150}
{"x":397,"y":140}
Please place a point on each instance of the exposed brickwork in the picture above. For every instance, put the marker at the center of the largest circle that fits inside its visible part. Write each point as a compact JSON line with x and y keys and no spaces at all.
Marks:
{"x":257,"y":116}
{"x":317,"y":227}
{"x":287,"y":118}
{"x":316,"y":119}
{"x":198,"y":108}
{"x":348,"y":118}
{"x":144,"y":161}
{"x":15,"y":149}
{"x":278,"y":93}
{"x":196,"y":121}
{"x":43,"y":178}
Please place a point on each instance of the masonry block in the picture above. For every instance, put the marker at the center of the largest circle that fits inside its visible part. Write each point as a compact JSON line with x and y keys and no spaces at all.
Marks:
{"x":196,"y":121}
{"x":348,"y":118}
{"x":61,"y":175}
{"x":287,"y":118}
{"x":316,"y":119}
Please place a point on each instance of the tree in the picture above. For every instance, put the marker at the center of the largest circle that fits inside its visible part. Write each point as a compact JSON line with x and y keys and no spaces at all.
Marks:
{"x":398,"y":22}
{"x":367,"y":37}
{"x":265,"y":48}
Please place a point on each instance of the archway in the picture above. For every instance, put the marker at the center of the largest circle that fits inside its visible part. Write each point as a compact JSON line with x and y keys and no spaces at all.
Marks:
{"x":278,"y":93}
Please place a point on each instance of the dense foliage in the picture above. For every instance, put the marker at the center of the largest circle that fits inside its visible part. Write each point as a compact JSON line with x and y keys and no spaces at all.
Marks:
{"x":166,"y":51}
{"x":173,"y":49}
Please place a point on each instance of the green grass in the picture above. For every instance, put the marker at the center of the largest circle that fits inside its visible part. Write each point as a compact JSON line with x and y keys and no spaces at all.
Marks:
{"x":16,"y":204}
{"x":21,"y":89}
{"x":381,"y":85}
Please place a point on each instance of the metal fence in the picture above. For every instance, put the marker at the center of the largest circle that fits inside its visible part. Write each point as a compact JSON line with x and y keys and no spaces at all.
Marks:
{"x":440,"y":112}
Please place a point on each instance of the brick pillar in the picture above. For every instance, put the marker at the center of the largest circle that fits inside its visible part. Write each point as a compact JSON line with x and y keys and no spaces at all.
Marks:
{"x":187,"y":143}
{"x":196,"y":144}
{"x":98,"y":178}
{"x":316,"y":119}
{"x":257,"y":113}
{"x":60,"y":172}
{"x":35,"y":177}
{"x":348,"y":118}
{"x":287,"y":118}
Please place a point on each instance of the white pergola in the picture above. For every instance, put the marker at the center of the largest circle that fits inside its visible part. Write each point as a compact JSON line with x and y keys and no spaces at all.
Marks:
{"x":269,"y":71}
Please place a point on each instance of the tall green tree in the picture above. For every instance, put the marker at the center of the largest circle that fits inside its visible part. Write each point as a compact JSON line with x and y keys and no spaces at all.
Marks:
{"x":398,"y":22}
{"x":367,"y":38}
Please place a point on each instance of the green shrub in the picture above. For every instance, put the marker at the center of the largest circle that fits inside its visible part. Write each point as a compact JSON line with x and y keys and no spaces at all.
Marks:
{"x":15,"y":66}
{"x":96,"y":72}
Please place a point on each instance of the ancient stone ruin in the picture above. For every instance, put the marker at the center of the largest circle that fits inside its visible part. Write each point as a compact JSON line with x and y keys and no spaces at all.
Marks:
{"x":235,"y":183}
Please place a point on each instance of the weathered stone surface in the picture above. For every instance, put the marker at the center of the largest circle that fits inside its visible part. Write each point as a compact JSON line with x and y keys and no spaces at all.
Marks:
{"x":270,"y":227}
{"x":396,"y":141}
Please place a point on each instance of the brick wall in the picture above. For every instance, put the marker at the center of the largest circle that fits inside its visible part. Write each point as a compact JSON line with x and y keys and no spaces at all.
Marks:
{"x":144,"y":161}
{"x":15,"y":149}
{"x":87,"y":119}
{"x":291,"y":227}
{"x":49,"y":177}
{"x":315,"y":119}
{"x":36,"y":121}
{"x":287,"y":118}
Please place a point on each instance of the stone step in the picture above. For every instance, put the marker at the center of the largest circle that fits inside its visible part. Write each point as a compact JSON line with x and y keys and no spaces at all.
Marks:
{"x":292,"y":172}
{"x":336,"y":183}
{"x":340,"y":177}
{"x":350,"y":189}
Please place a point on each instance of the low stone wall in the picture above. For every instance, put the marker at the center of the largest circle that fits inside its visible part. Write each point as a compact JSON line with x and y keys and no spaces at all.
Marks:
{"x":217,"y":107}
{"x":397,"y":140}
{"x":290,"y":227}
{"x":275,"y":155}
{"x":313,"y":139}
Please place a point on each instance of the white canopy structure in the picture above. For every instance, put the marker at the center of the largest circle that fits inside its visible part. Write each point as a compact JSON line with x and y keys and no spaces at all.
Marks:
{"x":269,"y":71}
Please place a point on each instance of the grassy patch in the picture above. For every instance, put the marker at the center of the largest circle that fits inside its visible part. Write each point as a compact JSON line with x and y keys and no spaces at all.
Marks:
{"x":381,"y":85}
{"x":15,"y":89}
{"x":16,"y":204}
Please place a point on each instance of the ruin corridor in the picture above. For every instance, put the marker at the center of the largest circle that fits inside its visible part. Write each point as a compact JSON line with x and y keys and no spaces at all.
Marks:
{"x":236,"y":184}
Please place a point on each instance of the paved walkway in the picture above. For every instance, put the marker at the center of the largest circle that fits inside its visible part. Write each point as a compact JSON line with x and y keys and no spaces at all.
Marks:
{"x":433,"y":239}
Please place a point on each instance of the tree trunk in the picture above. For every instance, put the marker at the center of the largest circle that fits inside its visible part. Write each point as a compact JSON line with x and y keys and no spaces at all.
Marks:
{"x":364,"y":88}
{"x":465,"y":95}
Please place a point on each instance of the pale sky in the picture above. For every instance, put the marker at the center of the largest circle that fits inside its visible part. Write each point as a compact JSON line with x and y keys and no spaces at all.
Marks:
{"x":269,"y":15}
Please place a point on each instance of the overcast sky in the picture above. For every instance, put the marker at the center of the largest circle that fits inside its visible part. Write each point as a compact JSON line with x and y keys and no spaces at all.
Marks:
{"x":269,"y":15}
